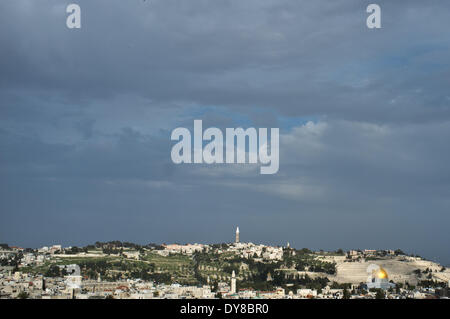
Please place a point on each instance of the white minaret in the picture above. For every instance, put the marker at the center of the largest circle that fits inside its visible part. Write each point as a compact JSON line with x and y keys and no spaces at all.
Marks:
{"x":233,"y":282}
{"x":237,"y":234}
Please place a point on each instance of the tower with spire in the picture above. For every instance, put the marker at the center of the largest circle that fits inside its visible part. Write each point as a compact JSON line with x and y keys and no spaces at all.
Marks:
{"x":237,"y":235}
{"x":233,"y":283}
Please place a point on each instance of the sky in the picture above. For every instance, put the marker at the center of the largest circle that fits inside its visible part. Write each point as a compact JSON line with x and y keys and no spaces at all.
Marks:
{"x":364,"y":116}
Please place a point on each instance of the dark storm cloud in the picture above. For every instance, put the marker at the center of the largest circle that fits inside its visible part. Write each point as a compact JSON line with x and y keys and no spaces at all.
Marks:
{"x":224,"y":52}
{"x":86,"y":115}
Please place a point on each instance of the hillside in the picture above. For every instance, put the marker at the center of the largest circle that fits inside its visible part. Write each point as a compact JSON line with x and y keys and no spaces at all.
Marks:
{"x":400,"y":269}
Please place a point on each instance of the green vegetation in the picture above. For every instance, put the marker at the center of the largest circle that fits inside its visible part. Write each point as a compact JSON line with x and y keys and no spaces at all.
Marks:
{"x":23,"y":295}
{"x":346,"y":294}
{"x":380,"y":294}
{"x":264,"y":275}
{"x":173,"y":268}
{"x":432,"y":284}
{"x":55,"y":271}
{"x":303,"y":260}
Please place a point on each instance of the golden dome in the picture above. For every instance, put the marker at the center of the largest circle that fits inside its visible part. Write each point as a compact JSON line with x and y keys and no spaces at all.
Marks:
{"x":382,"y":274}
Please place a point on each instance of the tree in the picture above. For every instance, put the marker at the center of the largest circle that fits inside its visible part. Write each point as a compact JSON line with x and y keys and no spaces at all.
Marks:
{"x":397,"y":289}
{"x":53,"y":271}
{"x":23,"y":295}
{"x":380,"y":294}
{"x":346,"y":294}
{"x":398,"y":252}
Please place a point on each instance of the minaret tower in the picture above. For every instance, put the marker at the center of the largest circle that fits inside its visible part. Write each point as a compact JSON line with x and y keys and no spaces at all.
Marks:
{"x":237,"y":235}
{"x":233,"y":282}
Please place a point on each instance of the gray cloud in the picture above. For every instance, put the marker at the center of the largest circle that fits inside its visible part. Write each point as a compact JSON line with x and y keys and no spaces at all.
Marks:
{"x":86,"y":115}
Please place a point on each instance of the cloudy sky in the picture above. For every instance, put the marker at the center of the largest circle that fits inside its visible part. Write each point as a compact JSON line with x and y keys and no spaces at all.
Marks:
{"x":364,"y":115}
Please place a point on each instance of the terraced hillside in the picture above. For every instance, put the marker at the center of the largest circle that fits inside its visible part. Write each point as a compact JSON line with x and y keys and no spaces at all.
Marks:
{"x":400,"y":269}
